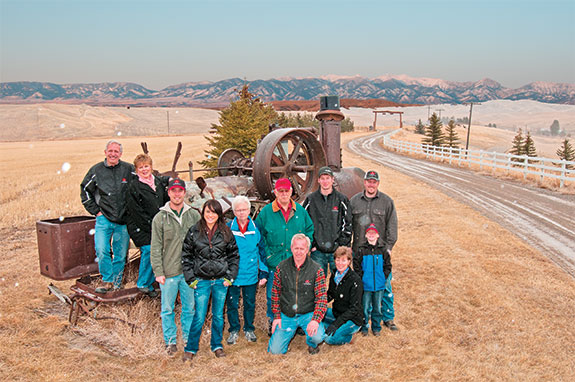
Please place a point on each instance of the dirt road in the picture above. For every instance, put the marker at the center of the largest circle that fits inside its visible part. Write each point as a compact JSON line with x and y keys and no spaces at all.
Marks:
{"x":544,"y":219}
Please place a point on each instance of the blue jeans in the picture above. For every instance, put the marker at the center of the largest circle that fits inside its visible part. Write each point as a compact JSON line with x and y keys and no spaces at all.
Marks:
{"x":218,"y":291}
{"x":112,"y":270}
{"x":282,"y":336}
{"x":170,"y":290}
{"x":387,"y":301}
{"x":232,"y":302}
{"x":269,"y":286}
{"x":343,"y":334}
{"x":372,"y":308}
{"x":145,"y":274}
{"x":324,"y":259}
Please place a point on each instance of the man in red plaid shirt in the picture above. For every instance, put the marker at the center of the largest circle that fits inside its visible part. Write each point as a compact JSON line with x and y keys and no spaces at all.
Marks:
{"x":299,"y":299}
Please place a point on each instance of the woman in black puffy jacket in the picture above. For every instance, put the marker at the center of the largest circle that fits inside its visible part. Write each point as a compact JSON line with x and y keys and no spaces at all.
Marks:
{"x":210,"y":262}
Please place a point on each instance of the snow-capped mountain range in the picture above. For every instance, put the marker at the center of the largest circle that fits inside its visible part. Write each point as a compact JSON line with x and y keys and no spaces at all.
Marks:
{"x":398,"y":88}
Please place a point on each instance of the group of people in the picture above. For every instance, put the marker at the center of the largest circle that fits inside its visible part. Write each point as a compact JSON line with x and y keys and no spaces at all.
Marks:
{"x":289,"y":248}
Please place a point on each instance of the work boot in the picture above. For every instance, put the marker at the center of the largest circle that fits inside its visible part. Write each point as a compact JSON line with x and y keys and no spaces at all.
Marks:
{"x":269,"y":328}
{"x":104,"y":288}
{"x":299,"y":331}
{"x":220,"y":353}
{"x":313,"y":351}
{"x":233,"y":338}
{"x":390,"y":325}
{"x":188,"y":357}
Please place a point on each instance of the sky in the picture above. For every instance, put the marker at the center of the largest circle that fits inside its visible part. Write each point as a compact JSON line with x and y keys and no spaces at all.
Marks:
{"x":161,"y":43}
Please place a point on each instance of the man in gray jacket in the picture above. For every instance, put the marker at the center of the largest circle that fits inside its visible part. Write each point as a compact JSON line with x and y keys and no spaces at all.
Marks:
{"x":374,"y":207}
{"x":169,"y":228}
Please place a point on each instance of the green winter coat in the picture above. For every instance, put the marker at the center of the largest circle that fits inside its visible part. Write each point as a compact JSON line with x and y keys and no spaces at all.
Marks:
{"x":277,"y":233}
{"x":168,"y":233}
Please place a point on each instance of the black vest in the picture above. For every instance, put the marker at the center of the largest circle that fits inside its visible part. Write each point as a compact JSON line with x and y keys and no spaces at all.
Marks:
{"x":297,"y":295}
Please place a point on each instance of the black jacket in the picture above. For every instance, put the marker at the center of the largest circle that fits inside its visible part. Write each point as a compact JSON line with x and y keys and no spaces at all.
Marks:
{"x":143,"y":204}
{"x":331,"y":218}
{"x":208,"y":260}
{"x":347,"y":299}
{"x":104,"y":190}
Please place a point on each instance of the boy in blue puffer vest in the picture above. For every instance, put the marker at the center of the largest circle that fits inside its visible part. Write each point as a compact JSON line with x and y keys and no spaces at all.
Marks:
{"x":373,"y":264}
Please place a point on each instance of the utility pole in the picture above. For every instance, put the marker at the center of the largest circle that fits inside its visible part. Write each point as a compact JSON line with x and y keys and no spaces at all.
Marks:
{"x":428,"y":108}
{"x":439,"y":110}
{"x":469,"y":126}
{"x":168,"y":116}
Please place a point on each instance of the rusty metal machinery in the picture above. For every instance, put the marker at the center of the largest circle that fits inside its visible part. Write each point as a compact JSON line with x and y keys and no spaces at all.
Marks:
{"x":293,"y":153}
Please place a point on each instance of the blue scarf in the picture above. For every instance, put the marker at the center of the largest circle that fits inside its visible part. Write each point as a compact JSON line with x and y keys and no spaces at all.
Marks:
{"x":339,"y":276}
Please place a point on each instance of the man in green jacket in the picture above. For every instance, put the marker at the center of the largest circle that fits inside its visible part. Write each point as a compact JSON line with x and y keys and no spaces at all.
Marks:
{"x":169,"y":229}
{"x":278,"y":222}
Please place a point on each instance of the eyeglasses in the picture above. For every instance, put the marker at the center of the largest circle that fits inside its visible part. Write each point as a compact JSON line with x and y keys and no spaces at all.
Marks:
{"x":242,"y":210}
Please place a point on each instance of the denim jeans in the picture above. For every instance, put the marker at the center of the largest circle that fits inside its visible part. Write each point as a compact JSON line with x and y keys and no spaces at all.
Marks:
{"x":282,"y":336}
{"x":324,"y":259}
{"x":387,"y":301}
{"x":232,"y":302}
{"x":170,"y":290}
{"x":145,"y":274}
{"x":372,"y":308}
{"x":218,"y":291}
{"x":269,"y":286}
{"x":343,"y":334}
{"x":111,"y":235}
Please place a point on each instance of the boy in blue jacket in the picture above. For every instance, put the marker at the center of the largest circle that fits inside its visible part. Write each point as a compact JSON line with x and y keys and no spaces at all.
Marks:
{"x":373,"y":264}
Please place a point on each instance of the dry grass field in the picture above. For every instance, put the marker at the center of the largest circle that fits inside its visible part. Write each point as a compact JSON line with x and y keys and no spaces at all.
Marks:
{"x":473,"y":302}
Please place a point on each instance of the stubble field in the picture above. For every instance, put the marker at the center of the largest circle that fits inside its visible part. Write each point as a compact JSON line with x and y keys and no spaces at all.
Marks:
{"x":473,"y":302}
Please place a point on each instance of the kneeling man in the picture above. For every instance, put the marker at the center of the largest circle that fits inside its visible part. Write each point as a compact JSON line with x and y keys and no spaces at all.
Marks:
{"x":299,"y":299}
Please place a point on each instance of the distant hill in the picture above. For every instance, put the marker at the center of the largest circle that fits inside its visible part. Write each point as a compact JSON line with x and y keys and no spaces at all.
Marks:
{"x":399,"y":89}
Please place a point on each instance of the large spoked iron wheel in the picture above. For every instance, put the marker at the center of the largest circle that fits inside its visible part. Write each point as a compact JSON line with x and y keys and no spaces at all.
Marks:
{"x":292,"y":153}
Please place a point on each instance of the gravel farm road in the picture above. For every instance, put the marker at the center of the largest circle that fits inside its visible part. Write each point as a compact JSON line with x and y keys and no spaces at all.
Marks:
{"x":542,"y":218}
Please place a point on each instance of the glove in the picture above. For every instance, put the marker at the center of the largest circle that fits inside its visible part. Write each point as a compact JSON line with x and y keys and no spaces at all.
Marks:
{"x":194,"y":284}
{"x":330,"y":330}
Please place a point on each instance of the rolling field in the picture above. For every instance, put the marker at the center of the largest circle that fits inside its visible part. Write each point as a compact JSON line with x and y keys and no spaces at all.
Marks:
{"x":473,"y":302}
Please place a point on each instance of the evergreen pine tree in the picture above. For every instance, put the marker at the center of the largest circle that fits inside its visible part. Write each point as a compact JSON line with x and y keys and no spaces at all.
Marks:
{"x":240,"y":126}
{"x":517,"y":146}
{"x":433,"y":132}
{"x":420,"y":128}
{"x":566,"y":152}
{"x":451,"y":137}
{"x":529,"y":146}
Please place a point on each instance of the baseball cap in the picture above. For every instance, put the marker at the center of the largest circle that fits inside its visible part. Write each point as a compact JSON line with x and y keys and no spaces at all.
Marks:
{"x":282,"y":184}
{"x":371,"y":175}
{"x":325,"y":171}
{"x":176,"y":182}
{"x":371,"y":226}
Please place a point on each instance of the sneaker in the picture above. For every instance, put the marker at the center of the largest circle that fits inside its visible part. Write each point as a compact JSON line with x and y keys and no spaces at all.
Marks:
{"x":105,"y":288}
{"x":251,"y":337}
{"x":299,"y":331}
{"x":220,"y":353}
{"x":171,"y":349}
{"x":364,"y":331}
{"x":188,"y":357}
{"x":233,"y":338}
{"x":270,"y":328}
{"x":390,"y":325}
{"x":153,"y":293}
{"x":313,"y":351}
{"x":377,"y":333}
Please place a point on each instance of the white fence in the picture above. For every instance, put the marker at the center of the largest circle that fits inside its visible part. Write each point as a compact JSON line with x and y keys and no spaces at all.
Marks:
{"x":542,"y":167}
